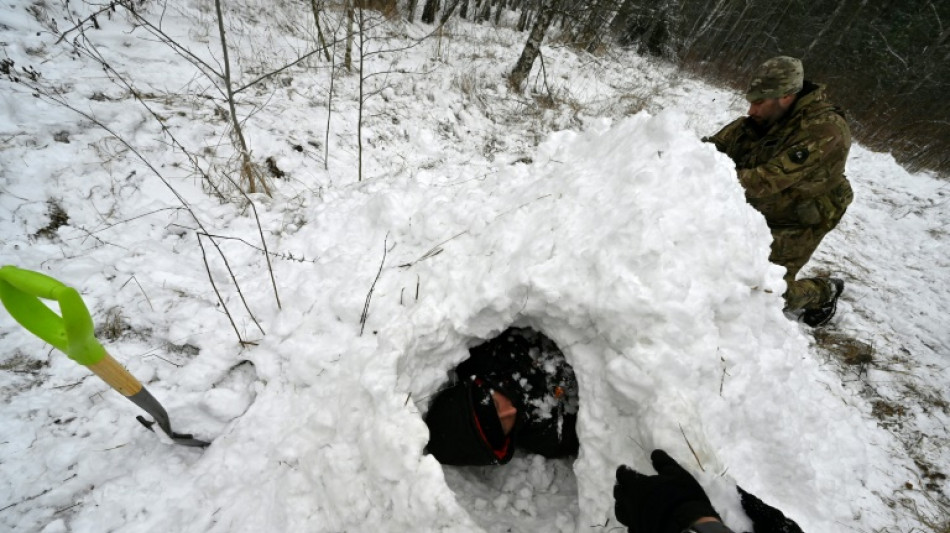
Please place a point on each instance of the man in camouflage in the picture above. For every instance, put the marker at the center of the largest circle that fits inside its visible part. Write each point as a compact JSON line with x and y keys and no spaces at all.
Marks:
{"x":790,"y":154}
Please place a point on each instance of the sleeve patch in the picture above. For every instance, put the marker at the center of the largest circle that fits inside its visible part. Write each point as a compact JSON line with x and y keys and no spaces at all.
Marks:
{"x":798,"y":155}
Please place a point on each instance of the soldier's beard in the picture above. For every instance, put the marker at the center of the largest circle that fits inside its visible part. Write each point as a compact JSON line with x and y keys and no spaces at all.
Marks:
{"x":774,"y":114}
{"x":759,"y":124}
{"x":765,"y":122}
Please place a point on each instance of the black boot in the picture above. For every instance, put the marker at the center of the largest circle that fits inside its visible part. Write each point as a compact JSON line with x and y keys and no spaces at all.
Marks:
{"x":822,"y":314}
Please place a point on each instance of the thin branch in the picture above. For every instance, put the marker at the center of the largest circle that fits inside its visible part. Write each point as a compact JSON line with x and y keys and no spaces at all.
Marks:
{"x":140,"y":288}
{"x":24,"y":500}
{"x":326,"y":140}
{"x":236,"y":186}
{"x":224,"y":306}
{"x":131,"y":219}
{"x":270,"y":268}
{"x":317,"y":12}
{"x":247,"y":168}
{"x":82,"y":22}
{"x":434,"y":251}
{"x":57,"y":99}
{"x":372,"y":287}
{"x":169,"y":41}
{"x":92,"y":52}
{"x":359,"y":118}
{"x":227,"y":265}
{"x":889,"y":49}
{"x":263,"y":77}
{"x":544,"y":72}
{"x":700,"y":463}
{"x":287,"y":256}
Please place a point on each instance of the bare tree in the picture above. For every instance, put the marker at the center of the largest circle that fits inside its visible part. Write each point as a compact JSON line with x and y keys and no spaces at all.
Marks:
{"x":348,"y":51}
{"x":484,"y":13}
{"x":429,"y":11}
{"x":250,"y":175}
{"x":317,"y":7}
{"x":533,"y":47}
{"x":362,"y":100}
{"x":447,"y":13}
{"x":525,"y":18}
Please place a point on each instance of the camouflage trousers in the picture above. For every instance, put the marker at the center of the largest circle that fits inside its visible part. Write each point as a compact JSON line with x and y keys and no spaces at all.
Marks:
{"x":792,"y":248}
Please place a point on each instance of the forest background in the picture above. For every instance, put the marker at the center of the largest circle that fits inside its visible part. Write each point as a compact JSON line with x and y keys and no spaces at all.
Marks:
{"x":887,"y":63}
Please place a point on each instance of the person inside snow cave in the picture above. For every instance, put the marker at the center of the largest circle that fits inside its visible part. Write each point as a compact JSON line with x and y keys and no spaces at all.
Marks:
{"x":514,"y":391}
{"x":517,"y":391}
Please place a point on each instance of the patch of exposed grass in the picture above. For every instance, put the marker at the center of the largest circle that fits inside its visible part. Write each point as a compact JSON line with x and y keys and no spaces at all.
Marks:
{"x":57,"y":219}
{"x":27,"y":372}
{"x":113,"y":325}
{"x":844,"y":348}
{"x":22,"y":364}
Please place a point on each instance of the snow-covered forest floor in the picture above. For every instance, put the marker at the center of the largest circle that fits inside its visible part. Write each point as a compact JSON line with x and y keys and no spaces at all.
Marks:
{"x":585,"y":207}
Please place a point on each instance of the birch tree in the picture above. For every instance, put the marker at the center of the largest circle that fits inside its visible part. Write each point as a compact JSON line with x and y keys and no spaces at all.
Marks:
{"x":533,"y":47}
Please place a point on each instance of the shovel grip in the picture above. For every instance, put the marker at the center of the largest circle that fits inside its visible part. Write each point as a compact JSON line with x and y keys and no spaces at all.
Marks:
{"x":72,"y":333}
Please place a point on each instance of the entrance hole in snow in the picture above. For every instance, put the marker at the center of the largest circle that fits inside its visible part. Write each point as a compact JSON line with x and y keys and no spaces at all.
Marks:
{"x":537,"y":489}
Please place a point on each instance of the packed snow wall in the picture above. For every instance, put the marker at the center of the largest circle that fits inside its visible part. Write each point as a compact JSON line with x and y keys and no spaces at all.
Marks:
{"x":629,"y":244}
{"x":632,"y":247}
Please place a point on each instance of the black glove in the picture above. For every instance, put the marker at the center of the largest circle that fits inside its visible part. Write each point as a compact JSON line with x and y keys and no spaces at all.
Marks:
{"x":765,"y":518}
{"x":668,"y":502}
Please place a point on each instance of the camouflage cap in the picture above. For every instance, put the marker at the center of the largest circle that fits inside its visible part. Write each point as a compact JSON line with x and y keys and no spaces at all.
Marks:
{"x":775,"y":78}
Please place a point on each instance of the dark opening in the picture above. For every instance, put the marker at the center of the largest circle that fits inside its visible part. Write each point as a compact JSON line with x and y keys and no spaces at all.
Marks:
{"x":515,"y":391}
{"x":516,"y":476}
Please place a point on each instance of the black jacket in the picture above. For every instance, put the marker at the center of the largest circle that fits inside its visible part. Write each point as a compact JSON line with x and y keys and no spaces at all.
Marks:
{"x":528,"y":368}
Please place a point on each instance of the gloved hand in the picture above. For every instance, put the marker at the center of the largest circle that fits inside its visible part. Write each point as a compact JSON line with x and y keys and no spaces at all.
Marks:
{"x":665,"y":503}
{"x":765,"y":518}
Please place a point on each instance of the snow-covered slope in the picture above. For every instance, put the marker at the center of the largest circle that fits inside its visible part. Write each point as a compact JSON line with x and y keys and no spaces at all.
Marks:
{"x":602,"y":221}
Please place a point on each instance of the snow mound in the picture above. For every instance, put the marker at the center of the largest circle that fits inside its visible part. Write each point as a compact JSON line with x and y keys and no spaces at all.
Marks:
{"x":629,"y":244}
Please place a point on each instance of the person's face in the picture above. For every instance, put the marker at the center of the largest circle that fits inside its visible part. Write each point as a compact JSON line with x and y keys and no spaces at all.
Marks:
{"x":767,"y":111}
{"x":506,"y":411}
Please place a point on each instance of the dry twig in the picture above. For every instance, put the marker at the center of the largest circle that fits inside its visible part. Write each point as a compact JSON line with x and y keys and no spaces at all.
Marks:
{"x":698,"y":462}
{"x":372,"y":287}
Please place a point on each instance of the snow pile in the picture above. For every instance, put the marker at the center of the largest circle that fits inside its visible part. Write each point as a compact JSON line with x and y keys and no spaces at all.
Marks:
{"x":629,"y":245}
{"x":626,"y":241}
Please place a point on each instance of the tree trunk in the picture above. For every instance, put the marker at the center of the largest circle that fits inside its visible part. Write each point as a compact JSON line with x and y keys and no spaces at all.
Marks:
{"x":589,"y":28}
{"x":428,"y":12}
{"x":533,"y":47}
{"x":315,"y":6}
{"x":248,"y":173}
{"x":362,"y":98}
{"x":622,"y":20}
{"x":411,"y":15}
{"x":485,"y":13}
{"x":523,"y":19}
{"x":348,"y":53}
{"x":448,"y":12}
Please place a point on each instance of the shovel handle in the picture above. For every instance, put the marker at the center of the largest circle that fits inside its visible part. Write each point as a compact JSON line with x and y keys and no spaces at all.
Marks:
{"x":72,"y":333}
{"x":116,"y":376}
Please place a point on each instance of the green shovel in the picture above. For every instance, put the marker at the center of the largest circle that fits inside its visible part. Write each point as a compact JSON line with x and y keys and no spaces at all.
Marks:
{"x":73,"y":334}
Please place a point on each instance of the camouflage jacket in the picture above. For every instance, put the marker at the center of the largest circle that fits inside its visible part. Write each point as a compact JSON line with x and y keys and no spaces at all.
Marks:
{"x":794,"y":172}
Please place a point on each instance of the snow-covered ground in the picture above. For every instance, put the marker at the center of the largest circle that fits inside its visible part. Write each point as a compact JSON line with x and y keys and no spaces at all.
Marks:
{"x":597,"y":217}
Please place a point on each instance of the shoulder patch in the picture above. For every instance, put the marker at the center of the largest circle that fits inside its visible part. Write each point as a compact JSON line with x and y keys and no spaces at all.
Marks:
{"x":798,"y":155}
